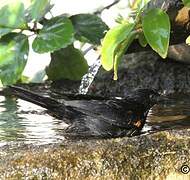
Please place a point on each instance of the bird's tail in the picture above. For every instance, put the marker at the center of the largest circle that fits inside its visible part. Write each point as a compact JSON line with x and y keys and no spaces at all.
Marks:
{"x":45,"y":102}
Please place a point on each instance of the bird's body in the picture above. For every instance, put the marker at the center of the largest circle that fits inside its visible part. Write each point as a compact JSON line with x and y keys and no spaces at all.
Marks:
{"x":111,"y":117}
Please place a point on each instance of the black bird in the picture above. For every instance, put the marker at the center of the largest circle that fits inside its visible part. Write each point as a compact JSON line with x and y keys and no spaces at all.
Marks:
{"x":88,"y":117}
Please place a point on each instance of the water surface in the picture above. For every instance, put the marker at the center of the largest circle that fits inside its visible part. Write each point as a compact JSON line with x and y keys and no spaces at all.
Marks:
{"x":21,"y":121}
{"x":171,"y":114}
{"x":24,"y":122}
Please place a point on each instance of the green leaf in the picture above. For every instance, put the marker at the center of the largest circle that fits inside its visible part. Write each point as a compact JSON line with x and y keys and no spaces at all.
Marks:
{"x":4,"y":30}
{"x":38,"y":9}
{"x":57,"y":33}
{"x":89,"y":28}
{"x":112,"y":39}
{"x":121,"y":49}
{"x":67,"y":63}
{"x":24,"y":79}
{"x":186,"y":3}
{"x":188,"y":40}
{"x":142,"y":40}
{"x":139,"y":4}
{"x":13,"y":57}
{"x":12,"y":17}
{"x":156,"y":28}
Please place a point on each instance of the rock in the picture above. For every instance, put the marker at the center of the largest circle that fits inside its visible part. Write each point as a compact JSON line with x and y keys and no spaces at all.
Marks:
{"x":143,"y":70}
{"x":180,"y":53}
{"x":154,"y":156}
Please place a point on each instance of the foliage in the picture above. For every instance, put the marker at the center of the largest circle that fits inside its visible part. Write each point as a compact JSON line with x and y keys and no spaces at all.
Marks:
{"x":56,"y":36}
{"x":85,"y":25}
{"x":38,"y":9}
{"x":75,"y":68}
{"x":188,"y":40}
{"x":149,"y":26}
{"x":13,"y":57}
{"x":12,"y":17}
{"x":56,"y":33}
{"x":156,"y":28}
{"x":186,"y":3}
{"x":113,"y":43}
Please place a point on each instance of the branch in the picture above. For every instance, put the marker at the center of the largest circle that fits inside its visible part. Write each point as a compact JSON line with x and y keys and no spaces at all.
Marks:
{"x":106,"y":7}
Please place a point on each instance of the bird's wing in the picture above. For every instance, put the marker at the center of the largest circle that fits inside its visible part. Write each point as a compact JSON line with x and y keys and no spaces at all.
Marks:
{"x":116,"y":113}
{"x":86,"y":126}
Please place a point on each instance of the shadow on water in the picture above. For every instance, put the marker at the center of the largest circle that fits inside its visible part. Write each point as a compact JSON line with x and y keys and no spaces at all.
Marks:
{"x":21,"y":121}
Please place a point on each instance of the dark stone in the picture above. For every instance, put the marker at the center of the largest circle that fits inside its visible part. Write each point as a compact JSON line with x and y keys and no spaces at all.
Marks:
{"x":143,"y":70}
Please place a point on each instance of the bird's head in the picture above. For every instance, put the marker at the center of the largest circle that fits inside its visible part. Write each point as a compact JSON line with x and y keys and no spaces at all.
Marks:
{"x":146,"y":97}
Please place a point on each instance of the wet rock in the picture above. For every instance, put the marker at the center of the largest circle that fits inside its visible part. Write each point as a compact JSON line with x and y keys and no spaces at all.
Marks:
{"x":144,"y":70}
{"x":180,"y":53}
{"x":154,"y":156}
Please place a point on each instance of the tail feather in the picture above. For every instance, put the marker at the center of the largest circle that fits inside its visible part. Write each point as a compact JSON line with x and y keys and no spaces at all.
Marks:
{"x":45,"y":102}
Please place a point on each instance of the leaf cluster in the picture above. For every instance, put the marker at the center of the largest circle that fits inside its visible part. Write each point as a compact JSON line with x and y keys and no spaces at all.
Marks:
{"x":55,"y":35}
{"x":149,"y":26}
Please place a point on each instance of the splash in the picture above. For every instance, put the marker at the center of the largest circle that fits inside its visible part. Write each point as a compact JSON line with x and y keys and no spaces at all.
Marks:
{"x":89,"y":77}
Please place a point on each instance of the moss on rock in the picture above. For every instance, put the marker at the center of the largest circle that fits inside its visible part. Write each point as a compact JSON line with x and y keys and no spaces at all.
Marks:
{"x":153,"y":156}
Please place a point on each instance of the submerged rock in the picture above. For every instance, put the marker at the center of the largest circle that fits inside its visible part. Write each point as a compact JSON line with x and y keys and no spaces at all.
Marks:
{"x":154,"y":156}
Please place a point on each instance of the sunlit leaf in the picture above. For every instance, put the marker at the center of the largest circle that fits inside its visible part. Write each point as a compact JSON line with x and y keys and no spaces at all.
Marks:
{"x":57,"y":33}
{"x":139,"y":4}
{"x":186,"y":3}
{"x":188,"y":40}
{"x":12,"y":17}
{"x":156,"y":28}
{"x":24,"y":79}
{"x":89,"y":28}
{"x":13,"y":57}
{"x":120,"y":51}
{"x":39,"y":8}
{"x":67,"y":63}
{"x":111,"y":41}
{"x":142,"y":40}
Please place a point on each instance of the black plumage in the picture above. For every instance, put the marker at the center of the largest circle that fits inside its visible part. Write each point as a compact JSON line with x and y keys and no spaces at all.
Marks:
{"x":95,"y":117}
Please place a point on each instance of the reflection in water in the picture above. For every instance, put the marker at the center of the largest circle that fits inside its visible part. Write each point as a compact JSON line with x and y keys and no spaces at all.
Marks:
{"x":173,"y":114}
{"x":10,"y":122}
{"x":21,"y":121}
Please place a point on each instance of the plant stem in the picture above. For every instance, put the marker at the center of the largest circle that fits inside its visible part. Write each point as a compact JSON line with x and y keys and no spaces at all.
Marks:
{"x":106,"y":7}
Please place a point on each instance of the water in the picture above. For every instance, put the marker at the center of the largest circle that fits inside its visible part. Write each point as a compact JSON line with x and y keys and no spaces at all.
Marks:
{"x":89,"y":77}
{"x":24,"y":122}
{"x":21,"y":121}
{"x":173,"y":114}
